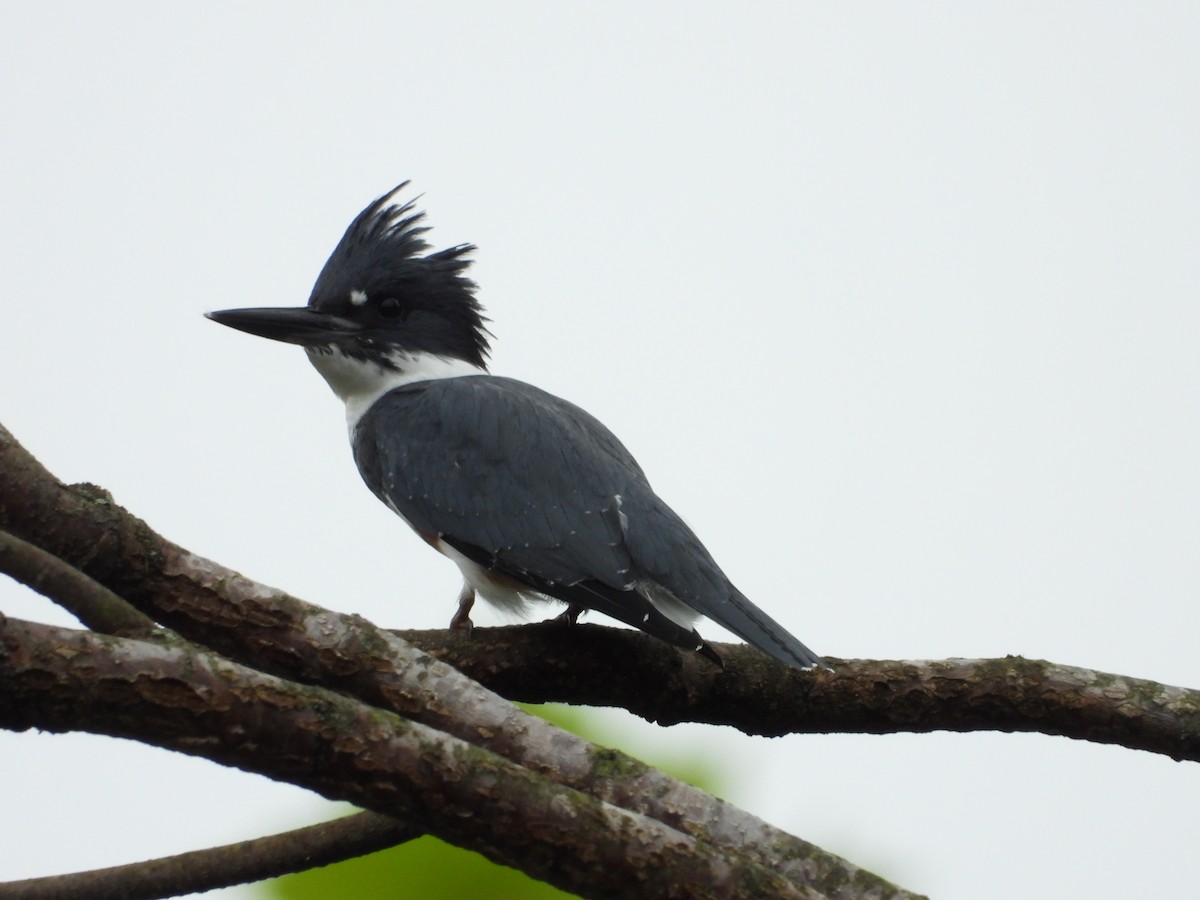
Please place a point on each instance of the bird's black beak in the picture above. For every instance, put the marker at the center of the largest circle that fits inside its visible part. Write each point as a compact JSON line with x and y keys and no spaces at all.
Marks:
{"x":301,"y":325}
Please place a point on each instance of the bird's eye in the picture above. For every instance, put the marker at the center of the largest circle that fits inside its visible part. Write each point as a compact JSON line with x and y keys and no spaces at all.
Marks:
{"x":391,"y":307}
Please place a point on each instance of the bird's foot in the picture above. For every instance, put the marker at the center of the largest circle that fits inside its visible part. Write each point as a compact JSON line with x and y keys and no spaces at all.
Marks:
{"x":571,"y":614}
{"x":461,"y":620}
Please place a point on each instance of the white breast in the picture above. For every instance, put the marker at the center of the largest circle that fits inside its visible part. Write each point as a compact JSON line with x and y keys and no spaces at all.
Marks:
{"x":359,"y":383}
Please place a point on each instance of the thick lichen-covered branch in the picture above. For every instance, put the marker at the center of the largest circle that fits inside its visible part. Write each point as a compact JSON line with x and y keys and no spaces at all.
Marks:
{"x":273,"y":632}
{"x":198,"y":703}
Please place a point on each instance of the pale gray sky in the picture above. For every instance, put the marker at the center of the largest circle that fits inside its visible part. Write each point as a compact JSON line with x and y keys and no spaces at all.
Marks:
{"x":897,"y":304}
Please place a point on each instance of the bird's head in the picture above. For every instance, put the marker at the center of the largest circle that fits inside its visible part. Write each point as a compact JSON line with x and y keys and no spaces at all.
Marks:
{"x":383,"y":310}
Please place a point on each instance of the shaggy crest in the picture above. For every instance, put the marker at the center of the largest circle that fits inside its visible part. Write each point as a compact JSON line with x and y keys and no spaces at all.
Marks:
{"x":383,"y":256}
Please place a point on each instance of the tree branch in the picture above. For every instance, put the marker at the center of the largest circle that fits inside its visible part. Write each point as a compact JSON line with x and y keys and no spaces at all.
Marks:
{"x":359,"y":659}
{"x":277,"y":633}
{"x":198,"y":703}
{"x":93,"y":604}
{"x":259,"y":626}
{"x":542,"y":663}
{"x":274,"y":632}
{"x":218,"y":867}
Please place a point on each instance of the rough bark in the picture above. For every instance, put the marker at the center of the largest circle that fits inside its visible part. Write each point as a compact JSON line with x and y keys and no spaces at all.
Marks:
{"x":274,"y":632}
{"x":540,"y":664}
{"x":57,"y":679}
{"x":79,"y":529}
{"x":278,"y":633}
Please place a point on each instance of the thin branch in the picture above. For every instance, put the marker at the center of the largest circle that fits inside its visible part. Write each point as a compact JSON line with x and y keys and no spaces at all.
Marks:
{"x":93,"y":604}
{"x":198,"y":703}
{"x":218,"y":867}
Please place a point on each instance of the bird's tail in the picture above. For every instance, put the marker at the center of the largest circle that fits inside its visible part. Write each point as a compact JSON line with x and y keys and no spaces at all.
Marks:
{"x":759,"y":630}
{"x":632,"y":608}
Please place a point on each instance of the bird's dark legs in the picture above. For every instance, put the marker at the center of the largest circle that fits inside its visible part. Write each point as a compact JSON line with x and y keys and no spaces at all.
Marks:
{"x":461,"y":621}
{"x":571,"y":614}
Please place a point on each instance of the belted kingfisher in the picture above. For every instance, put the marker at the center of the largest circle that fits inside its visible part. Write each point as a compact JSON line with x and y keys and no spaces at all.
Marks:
{"x":531,"y":496}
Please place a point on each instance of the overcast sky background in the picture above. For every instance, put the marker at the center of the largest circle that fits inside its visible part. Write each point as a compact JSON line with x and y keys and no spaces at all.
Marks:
{"x":896,"y":303}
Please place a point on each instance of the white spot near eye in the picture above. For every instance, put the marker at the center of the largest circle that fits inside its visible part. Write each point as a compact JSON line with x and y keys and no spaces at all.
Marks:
{"x":358,"y":298}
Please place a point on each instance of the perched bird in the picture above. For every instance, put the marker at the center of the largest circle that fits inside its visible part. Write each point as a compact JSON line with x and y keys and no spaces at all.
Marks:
{"x":532,"y":497}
